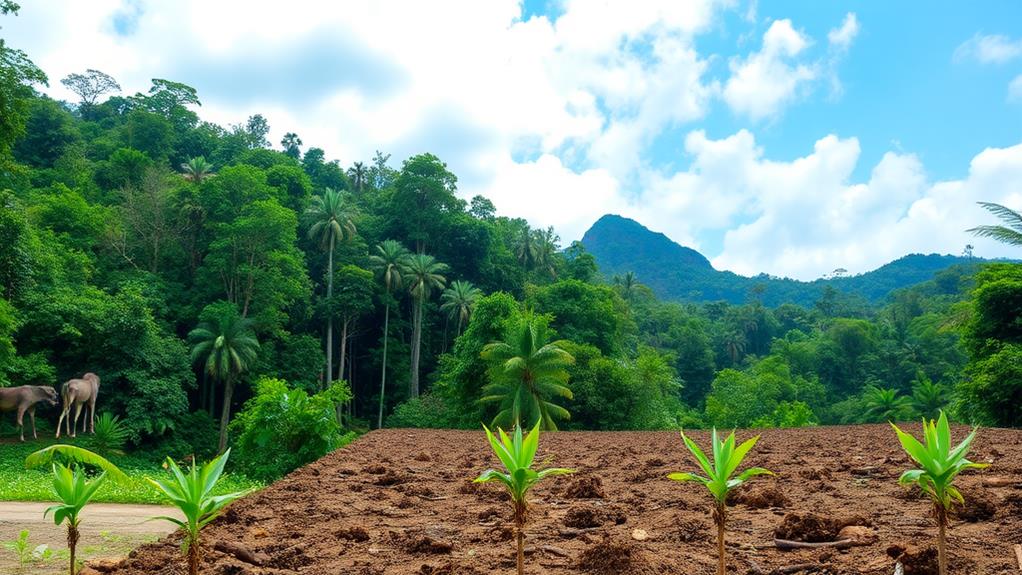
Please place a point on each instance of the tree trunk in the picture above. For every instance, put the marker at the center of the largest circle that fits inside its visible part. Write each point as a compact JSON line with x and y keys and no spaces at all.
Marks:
{"x":383,"y":376}
{"x":344,"y":349}
{"x":329,"y":316}
{"x":72,"y":544}
{"x":941,"y":539}
{"x":719,"y":520}
{"x":413,"y":386}
{"x":225,"y":414}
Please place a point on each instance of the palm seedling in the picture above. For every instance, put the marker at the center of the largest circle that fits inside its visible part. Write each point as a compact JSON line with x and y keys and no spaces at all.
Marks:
{"x":517,"y":454}
{"x":192,"y":493}
{"x":718,"y":480}
{"x":939,"y":464}
{"x":71,"y":486}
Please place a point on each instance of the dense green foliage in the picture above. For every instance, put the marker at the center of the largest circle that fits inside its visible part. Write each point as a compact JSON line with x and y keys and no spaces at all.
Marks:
{"x":128,"y":224}
{"x":288,"y":423}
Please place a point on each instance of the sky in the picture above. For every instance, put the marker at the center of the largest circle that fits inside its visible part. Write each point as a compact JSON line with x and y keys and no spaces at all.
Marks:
{"x":787,"y":138}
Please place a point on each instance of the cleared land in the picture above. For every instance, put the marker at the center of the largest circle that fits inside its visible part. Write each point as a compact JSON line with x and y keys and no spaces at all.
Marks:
{"x":401,"y":502}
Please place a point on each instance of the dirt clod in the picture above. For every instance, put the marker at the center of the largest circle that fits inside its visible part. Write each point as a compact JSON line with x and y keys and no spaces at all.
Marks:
{"x":760,"y":498}
{"x":427,"y":544}
{"x":915,"y":560}
{"x":813,"y":527}
{"x":586,"y":487}
{"x":608,"y":557}
{"x":356,"y":533}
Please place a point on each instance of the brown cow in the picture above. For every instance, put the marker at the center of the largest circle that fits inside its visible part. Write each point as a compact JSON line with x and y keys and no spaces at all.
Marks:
{"x":24,"y":398}
{"x":78,"y":393}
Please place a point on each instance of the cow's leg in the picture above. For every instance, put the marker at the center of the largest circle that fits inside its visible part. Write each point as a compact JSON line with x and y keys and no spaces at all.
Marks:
{"x":92,"y":415}
{"x":60,"y":420}
{"x":31,"y":415}
{"x":21,"y":416}
{"x":78,"y":413}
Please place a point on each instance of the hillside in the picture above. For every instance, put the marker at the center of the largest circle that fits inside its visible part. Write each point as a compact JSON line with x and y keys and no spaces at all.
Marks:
{"x":675,"y":272}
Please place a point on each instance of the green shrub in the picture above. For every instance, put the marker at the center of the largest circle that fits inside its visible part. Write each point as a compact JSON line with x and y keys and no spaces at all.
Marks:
{"x":428,"y":411}
{"x":110,"y":435}
{"x":281,"y":429}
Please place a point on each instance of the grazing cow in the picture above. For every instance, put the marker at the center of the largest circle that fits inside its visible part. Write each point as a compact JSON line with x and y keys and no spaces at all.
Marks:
{"x":24,"y":398}
{"x":78,"y":393}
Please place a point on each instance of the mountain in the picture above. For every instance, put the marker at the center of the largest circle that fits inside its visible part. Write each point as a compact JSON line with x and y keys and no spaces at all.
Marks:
{"x":675,"y":272}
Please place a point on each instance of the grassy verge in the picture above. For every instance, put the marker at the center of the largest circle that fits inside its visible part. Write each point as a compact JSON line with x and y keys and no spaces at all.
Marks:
{"x":20,"y":484}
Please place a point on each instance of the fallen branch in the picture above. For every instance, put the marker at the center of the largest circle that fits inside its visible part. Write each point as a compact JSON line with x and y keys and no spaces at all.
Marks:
{"x":786,"y":544}
{"x":796,"y":568}
{"x":242,"y":553}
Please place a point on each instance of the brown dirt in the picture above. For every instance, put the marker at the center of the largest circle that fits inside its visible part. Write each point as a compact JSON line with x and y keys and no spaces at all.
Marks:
{"x":380,"y":507}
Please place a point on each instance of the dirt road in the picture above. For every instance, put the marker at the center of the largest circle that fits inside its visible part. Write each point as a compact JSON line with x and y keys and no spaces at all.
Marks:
{"x":108,"y":530}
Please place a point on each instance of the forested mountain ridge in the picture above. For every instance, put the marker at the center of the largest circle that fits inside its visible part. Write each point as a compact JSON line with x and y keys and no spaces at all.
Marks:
{"x":621,"y":245}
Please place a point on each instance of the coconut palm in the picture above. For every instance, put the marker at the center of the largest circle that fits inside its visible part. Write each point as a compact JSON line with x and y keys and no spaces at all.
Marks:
{"x":734,"y":345}
{"x":225,"y":348}
{"x":197,"y":169}
{"x":627,"y":284}
{"x":886,"y":404}
{"x":459,"y":300}
{"x":358,"y":173}
{"x":526,"y":372}
{"x":545,"y":246}
{"x":388,"y":261}
{"x":1009,"y":233}
{"x":331,"y":223}
{"x":422,"y":276}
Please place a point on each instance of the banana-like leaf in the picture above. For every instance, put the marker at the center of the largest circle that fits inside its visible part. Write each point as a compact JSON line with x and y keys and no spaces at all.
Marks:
{"x":46,"y":456}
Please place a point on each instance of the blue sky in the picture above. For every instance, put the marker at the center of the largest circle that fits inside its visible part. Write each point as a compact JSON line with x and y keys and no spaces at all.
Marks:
{"x":789,"y":138}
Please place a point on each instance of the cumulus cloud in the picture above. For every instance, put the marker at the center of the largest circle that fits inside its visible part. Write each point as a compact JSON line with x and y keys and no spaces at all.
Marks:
{"x":842,"y":38}
{"x":763,"y":82}
{"x":553,"y":117}
{"x":989,"y":49}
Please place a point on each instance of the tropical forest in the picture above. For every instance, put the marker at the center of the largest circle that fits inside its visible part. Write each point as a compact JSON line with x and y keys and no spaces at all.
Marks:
{"x":301,"y":360}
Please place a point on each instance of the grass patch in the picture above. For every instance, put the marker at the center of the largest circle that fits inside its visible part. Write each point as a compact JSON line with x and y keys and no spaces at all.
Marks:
{"x":20,"y":484}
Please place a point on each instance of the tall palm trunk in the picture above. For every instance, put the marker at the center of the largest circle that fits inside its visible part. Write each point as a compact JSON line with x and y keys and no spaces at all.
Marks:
{"x":344,"y":349}
{"x":383,"y":376}
{"x":225,"y":414}
{"x":413,"y":386}
{"x":330,"y":316}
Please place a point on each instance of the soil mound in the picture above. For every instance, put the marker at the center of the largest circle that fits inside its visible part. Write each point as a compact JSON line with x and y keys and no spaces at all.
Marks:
{"x":760,"y":498}
{"x":980,"y":505}
{"x":813,"y":527}
{"x":609,"y":557}
{"x":586,"y":487}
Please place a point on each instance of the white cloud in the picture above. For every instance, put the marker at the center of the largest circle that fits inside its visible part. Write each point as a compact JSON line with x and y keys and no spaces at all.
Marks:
{"x":989,"y":49}
{"x":553,"y":118}
{"x":841,"y":38}
{"x":1015,"y":89}
{"x":763,"y":82}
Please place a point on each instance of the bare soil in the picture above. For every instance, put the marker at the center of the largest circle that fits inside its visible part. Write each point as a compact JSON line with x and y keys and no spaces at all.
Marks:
{"x":401,"y":502}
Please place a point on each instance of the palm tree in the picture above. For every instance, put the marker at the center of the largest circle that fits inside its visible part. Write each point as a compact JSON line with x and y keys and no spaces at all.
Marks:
{"x":885,"y":404}
{"x":388,"y":261}
{"x":422,"y":276}
{"x":1010,"y":233}
{"x":545,"y":246}
{"x":358,"y":173}
{"x":928,"y":398}
{"x":459,"y":300}
{"x":197,"y":169}
{"x":526,"y":372}
{"x":525,"y":248}
{"x":331,"y":223}
{"x":734,"y":345}
{"x":627,"y":284}
{"x":225,"y":348}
